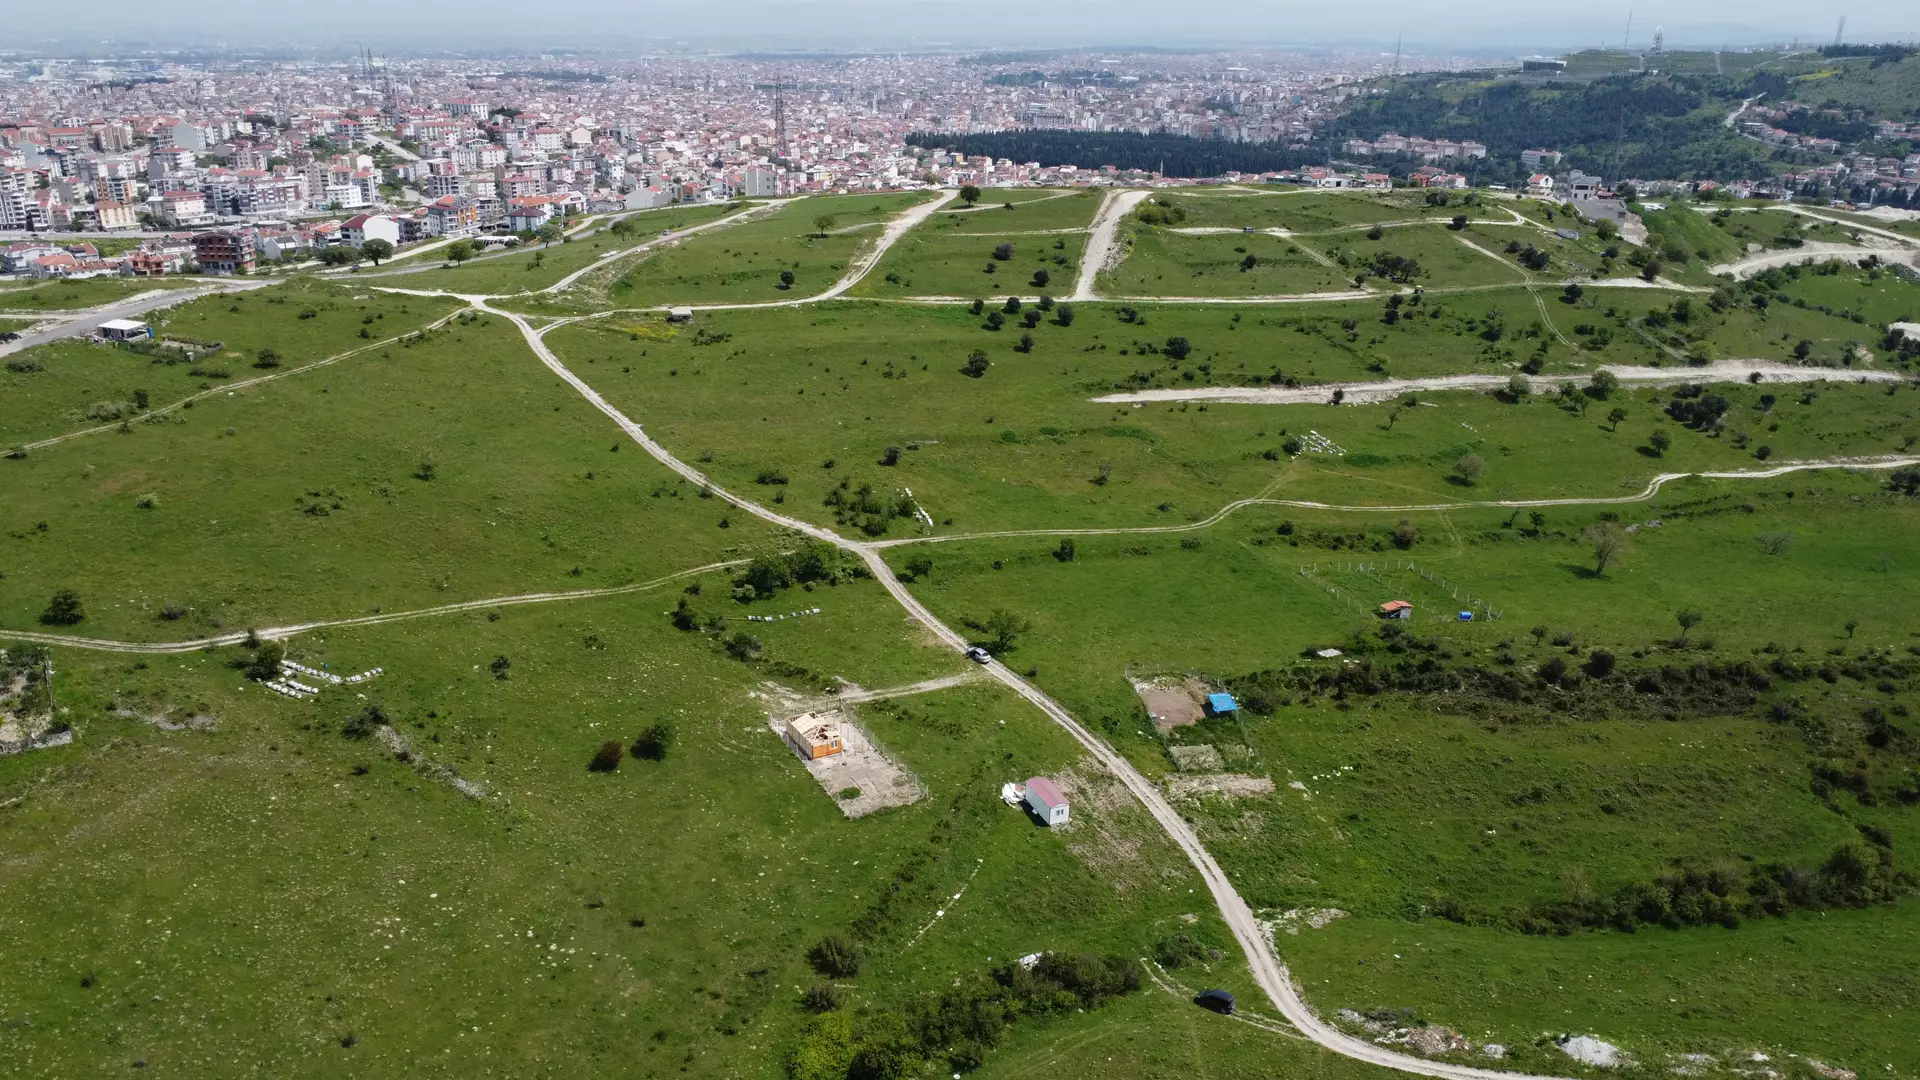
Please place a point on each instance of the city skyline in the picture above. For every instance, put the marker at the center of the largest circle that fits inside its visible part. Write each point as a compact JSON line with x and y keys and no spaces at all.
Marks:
{"x":870,"y":25}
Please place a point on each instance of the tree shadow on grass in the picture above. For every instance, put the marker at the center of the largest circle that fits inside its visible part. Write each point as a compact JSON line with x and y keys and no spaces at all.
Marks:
{"x":1584,"y":573}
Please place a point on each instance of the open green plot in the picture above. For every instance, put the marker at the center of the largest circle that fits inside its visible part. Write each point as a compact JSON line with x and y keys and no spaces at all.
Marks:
{"x":1580,"y":258}
{"x":932,"y":263}
{"x":1311,"y":212}
{"x":747,"y":262}
{"x":658,"y":916}
{"x":64,"y":385}
{"x":537,"y":265}
{"x":1546,"y":449}
{"x":1399,"y":806}
{"x":90,"y":292}
{"x":1160,"y":262}
{"x":1040,"y":209}
{"x":1443,"y":255}
{"x":1905,"y":226}
{"x":774,"y":395}
{"x":455,"y":468}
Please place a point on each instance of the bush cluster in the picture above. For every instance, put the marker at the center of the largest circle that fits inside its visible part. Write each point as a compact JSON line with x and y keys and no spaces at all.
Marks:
{"x":957,"y":1026}
{"x":1722,"y":894}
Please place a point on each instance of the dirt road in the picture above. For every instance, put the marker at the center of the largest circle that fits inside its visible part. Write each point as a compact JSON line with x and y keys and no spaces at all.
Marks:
{"x":1117,"y":206}
{"x":1360,"y":393}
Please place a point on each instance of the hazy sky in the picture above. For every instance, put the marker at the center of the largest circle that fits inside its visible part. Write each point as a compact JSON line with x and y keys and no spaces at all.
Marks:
{"x":864,"y":24}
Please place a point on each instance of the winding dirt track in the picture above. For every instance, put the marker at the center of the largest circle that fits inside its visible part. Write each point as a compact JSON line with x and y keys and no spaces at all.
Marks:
{"x":280,"y":633}
{"x":1357,"y":393}
{"x":1891,"y":461}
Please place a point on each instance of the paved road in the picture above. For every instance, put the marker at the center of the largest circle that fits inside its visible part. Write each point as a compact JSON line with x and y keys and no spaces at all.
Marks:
{"x":83,"y":321}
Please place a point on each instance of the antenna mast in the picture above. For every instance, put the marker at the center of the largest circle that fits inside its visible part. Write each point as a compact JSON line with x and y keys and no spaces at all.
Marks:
{"x":780,"y":117}
{"x":1840,"y":30}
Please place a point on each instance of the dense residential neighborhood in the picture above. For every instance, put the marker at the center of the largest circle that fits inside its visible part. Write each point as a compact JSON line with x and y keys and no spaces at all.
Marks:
{"x":250,"y":164}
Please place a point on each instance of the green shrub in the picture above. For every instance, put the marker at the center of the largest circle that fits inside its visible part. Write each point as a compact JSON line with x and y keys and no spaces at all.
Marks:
{"x":607,"y":758}
{"x":836,"y":957}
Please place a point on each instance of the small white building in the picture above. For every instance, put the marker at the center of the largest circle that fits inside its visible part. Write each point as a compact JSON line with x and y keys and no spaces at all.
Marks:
{"x":124,"y":330}
{"x":1045,"y":800}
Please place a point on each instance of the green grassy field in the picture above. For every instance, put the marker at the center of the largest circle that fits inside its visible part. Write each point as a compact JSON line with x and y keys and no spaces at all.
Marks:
{"x":1406,"y":801}
{"x":538,"y":266}
{"x":71,"y":384}
{"x":1316,"y":212}
{"x":433,"y":931}
{"x":930,"y":261}
{"x":214,"y":880}
{"x":1023,"y":445}
{"x":1163,"y":263}
{"x":526,"y":494}
{"x":1904,"y":226}
{"x":744,"y":263}
{"x":91,"y":292}
{"x":1034,"y":209}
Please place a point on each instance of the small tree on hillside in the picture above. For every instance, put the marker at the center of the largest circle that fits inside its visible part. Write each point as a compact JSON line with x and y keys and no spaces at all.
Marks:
{"x":377,"y":251}
{"x":1608,"y":540}
{"x":969,"y":194}
{"x":266,"y":661}
{"x":1470,"y":468}
{"x":1688,"y":619}
{"x":654,"y":741}
{"x":64,"y":609}
{"x":822,"y":224}
{"x":1003,"y":627}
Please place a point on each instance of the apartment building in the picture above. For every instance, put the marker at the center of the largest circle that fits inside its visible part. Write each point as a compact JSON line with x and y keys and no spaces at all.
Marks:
{"x":224,"y":251}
